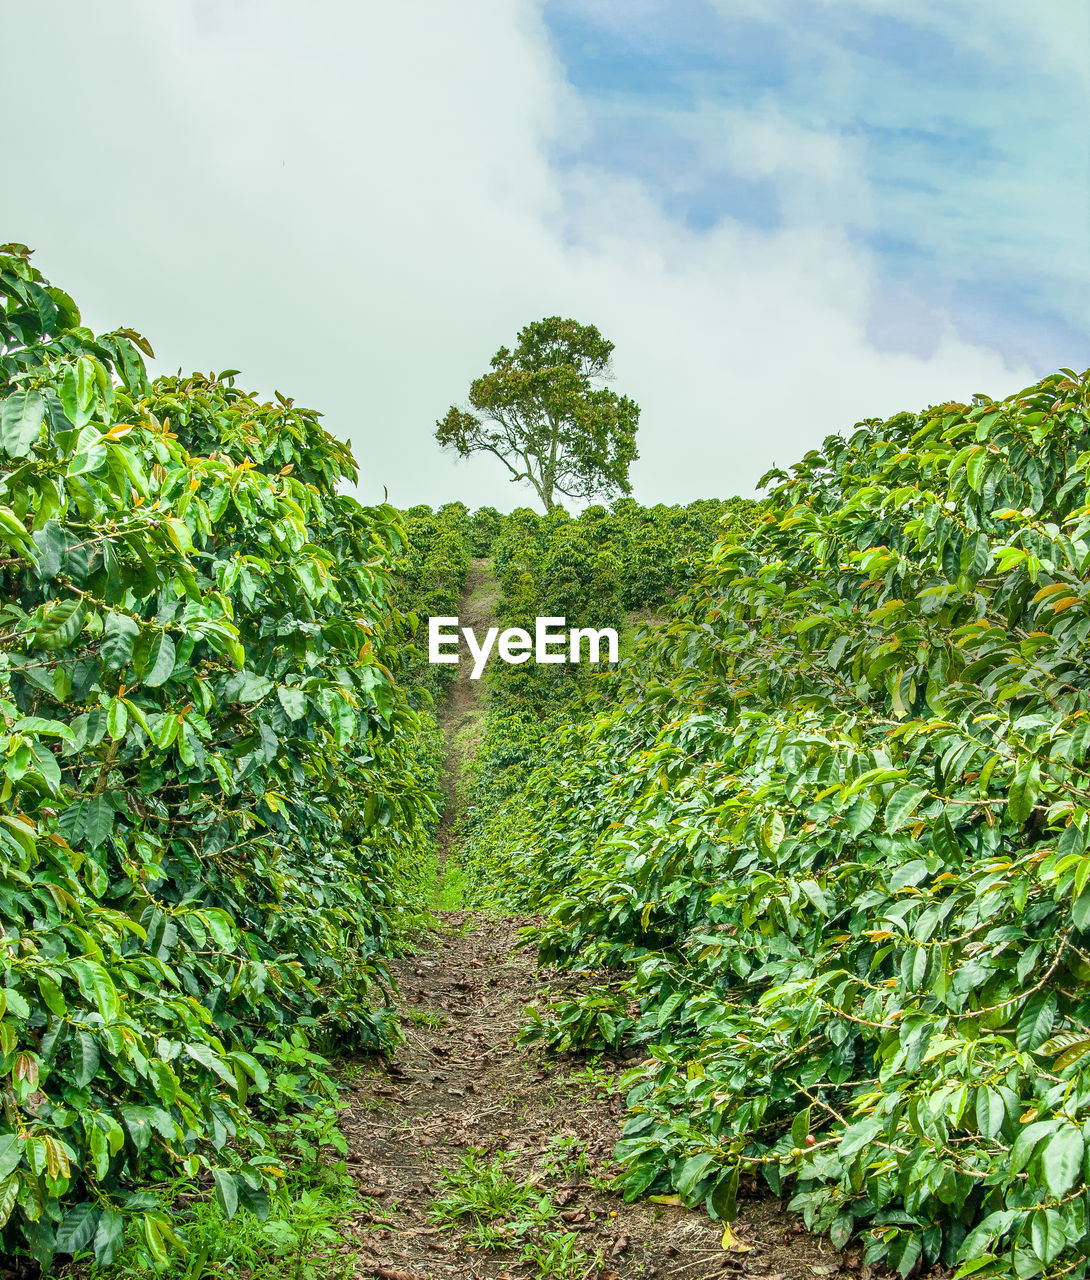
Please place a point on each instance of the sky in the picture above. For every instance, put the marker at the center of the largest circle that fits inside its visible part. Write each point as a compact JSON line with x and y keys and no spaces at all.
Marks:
{"x":788,"y":215}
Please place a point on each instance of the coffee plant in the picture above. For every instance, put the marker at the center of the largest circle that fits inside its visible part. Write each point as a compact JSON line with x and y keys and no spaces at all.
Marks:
{"x":212,"y":809}
{"x":833,"y":832}
{"x":430,"y":576}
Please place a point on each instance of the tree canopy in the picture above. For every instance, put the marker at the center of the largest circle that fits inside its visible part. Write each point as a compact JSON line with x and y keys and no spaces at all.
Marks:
{"x":544,"y":414}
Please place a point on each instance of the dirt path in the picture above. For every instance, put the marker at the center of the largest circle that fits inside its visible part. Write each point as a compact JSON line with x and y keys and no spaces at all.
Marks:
{"x":479,"y":1159}
{"x":461,"y":711}
{"x":459,"y":1087}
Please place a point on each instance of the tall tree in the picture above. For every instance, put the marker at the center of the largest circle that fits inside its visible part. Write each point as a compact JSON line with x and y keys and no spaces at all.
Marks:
{"x":543,"y":412}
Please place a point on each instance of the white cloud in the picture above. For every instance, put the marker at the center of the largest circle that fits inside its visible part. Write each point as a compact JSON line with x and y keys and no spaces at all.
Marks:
{"x":358,"y":203}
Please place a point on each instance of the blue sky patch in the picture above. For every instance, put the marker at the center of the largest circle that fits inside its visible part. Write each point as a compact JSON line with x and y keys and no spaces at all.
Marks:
{"x":963,"y":145}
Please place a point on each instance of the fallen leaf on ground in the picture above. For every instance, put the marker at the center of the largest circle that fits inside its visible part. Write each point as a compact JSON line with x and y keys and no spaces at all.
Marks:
{"x":733,"y":1243}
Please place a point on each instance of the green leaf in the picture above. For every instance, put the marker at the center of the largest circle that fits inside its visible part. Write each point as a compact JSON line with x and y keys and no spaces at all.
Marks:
{"x":77,"y":1228}
{"x":841,"y":1230}
{"x":1047,"y":1234}
{"x":51,"y":995}
{"x":109,"y":1237}
{"x":817,"y":896}
{"x":905,"y":1252}
{"x":1026,"y":1143}
{"x":1061,"y":1159}
{"x":203,"y":1054}
{"x":96,"y":984}
{"x":294,"y":702}
{"x":902,"y":805}
{"x":11,"y":1153}
{"x":987,"y":1230}
{"x":21,"y":417}
{"x":9,"y":1198}
{"x":13,"y":532}
{"x":1072,"y":1053}
{"x":154,"y":1239}
{"x":117,"y":720}
{"x":909,"y":873}
{"x":100,"y":1151}
{"x":990,"y":1112}
{"x":89,"y":458}
{"x":1023,"y":792}
{"x":85,"y":1058}
{"x":221,"y":927}
{"x":860,"y":814}
{"x":88,"y":821}
{"x":61,"y":624}
{"x":773,"y":832}
{"x":859,"y":1135}
{"x":253,"y":688}
{"x":138,"y":1124}
{"x":178,"y":532}
{"x":15,"y":1002}
{"x":226,"y":1191}
{"x":36,"y":724}
{"x":693,"y":1170}
{"x":1037,"y":1020}
{"x":161,"y":660}
{"x":252,"y":1067}
{"x":343,"y":720}
{"x":119,"y":635}
{"x":723,"y":1197}
{"x":98,"y":821}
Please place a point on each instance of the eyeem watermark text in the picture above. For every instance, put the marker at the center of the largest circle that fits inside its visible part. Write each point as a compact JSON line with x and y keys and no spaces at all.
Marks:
{"x":549,"y":643}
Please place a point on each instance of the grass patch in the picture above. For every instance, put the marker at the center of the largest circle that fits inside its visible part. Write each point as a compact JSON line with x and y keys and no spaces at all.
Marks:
{"x":298,"y":1239}
{"x":426,"y":1018}
{"x":492,"y":1210}
{"x":449,"y":894}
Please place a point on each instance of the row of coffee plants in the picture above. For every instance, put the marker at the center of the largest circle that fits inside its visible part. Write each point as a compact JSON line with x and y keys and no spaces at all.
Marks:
{"x":833,"y":835}
{"x":212,"y":800}
{"x":642,"y":554}
{"x":594,"y":571}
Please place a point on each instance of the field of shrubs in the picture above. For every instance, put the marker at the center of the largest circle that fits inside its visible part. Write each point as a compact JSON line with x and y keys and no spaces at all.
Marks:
{"x":821,"y":836}
{"x":830,"y":834}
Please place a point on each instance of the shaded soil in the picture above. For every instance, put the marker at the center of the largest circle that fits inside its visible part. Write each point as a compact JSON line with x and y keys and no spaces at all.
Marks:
{"x":459,"y":1084}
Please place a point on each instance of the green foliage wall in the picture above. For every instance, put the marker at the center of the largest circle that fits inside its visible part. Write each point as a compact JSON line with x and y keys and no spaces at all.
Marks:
{"x":431,"y":574}
{"x":608,"y":560}
{"x":212,"y":812}
{"x":833,"y":835}
{"x":485,"y":524}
